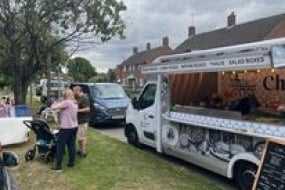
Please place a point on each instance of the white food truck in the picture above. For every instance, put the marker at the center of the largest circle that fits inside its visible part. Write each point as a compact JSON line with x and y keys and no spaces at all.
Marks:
{"x":219,"y":140}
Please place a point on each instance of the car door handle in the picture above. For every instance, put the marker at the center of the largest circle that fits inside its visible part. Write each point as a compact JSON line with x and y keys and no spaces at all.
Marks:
{"x":150,"y":116}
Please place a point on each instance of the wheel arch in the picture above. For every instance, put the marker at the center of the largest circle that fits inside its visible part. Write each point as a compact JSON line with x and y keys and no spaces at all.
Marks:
{"x":243,"y":157}
{"x":127,"y":128}
{"x":130,"y":126}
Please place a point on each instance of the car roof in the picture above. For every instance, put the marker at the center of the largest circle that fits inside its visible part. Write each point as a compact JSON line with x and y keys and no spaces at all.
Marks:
{"x":91,"y":84}
{"x":80,"y":83}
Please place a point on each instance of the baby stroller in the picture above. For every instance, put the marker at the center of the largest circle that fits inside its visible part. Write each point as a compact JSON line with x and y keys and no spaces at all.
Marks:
{"x":45,"y":145}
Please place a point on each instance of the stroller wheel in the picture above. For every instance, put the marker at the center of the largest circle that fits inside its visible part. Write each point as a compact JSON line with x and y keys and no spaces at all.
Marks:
{"x":49,"y":156}
{"x":30,"y":155}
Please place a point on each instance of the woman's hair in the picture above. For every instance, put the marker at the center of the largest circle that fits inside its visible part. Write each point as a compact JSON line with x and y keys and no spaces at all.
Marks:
{"x":68,"y":95}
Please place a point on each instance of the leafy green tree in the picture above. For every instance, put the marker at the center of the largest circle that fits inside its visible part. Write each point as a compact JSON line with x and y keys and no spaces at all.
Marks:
{"x":5,"y":80}
{"x":59,"y":56}
{"x":99,"y":78}
{"x":111,"y":75}
{"x":80,"y":69}
{"x":32,"y":29}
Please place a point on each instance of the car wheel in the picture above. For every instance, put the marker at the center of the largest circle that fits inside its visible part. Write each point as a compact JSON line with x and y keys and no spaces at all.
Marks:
{"x":132,"y":136}
{"x":30,"y":155}
{"x":93,"y":124}
{"x":48,"y":157}
{"x":245,"y":175}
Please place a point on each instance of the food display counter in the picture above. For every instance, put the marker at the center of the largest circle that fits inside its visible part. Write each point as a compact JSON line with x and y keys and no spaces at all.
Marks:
{"x":244,"y":127}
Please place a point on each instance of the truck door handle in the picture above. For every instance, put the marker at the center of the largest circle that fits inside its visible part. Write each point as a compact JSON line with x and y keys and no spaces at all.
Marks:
{"x":150,"y":116}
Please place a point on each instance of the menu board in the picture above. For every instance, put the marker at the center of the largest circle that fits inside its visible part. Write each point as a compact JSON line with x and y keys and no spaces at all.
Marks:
{"x":271,"y":173}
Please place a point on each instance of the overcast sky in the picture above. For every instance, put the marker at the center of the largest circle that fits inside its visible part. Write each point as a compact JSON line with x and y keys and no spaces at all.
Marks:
{"x":150,"y":20}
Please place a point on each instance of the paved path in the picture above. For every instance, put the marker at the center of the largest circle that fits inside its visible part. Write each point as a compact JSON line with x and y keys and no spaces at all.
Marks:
{"x":114,"y":132}
{"x":222,"y":182}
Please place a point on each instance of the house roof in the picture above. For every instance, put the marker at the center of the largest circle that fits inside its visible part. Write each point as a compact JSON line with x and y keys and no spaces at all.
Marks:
{"x":243,"y":33}
{"x":147,"y":56}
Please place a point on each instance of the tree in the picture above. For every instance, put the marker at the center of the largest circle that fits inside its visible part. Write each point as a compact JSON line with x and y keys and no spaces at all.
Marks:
{"x":5,"y":80}
{"x":80,"y":69}
{"x":59,"y":56}
{"x":99,"y":78}
{"x":33,"y":28}
{"x":111,"y":75}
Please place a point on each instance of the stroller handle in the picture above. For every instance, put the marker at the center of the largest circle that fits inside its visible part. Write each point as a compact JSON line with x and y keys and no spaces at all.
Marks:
{"x":28,"y":123}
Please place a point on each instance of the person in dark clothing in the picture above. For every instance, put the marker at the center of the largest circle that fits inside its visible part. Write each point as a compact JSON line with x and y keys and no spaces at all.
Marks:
{"x":215,"y":102}
{"x":48,"y":102}
{"x":247,"y":104}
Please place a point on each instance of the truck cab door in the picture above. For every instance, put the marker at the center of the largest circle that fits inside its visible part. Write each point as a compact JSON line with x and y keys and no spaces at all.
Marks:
{"x":146,"y":114}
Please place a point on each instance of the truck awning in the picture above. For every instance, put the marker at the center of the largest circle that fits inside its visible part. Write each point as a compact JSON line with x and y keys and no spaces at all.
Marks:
{"x":259,"y":55}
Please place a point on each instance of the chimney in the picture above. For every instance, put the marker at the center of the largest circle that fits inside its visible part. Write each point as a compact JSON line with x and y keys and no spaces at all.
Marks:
{"x":135,"y":50}
{"x":232,"y":19}
{"x":148,"y":46}
{"x":191,"y":31}
{"x":165,"y":41}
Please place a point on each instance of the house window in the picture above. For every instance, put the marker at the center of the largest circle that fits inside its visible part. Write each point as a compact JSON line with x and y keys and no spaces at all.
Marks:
{"x":124,"y":68}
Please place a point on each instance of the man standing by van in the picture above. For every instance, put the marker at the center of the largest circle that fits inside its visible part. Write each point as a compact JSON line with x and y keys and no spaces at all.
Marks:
{"x":83,"y":119}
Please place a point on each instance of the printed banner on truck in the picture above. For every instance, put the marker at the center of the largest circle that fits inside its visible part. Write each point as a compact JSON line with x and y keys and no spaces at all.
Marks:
{"x":226,"y":64}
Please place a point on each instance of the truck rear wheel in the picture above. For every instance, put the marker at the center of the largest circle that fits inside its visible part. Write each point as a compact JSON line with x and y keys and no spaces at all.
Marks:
{"x":245,"y":175}
{"x":132,"y":135}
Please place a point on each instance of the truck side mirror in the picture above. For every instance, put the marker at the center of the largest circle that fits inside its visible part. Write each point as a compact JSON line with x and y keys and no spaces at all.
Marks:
{"x":10,"y":159}
{"x":135,"y":103}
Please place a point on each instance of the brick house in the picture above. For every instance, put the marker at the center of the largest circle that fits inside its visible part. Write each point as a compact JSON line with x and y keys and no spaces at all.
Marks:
{"x":232,"y":34}
{"x":128,"y":72}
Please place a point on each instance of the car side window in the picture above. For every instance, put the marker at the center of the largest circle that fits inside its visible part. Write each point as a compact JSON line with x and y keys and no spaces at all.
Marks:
{"x":84,"y":89}
{"x":94,"y":91}
{"x":147,"y":98}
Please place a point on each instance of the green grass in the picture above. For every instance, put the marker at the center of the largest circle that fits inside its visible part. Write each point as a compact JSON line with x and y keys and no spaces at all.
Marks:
{"x":110,"y":165}
{"x":35,"y":105}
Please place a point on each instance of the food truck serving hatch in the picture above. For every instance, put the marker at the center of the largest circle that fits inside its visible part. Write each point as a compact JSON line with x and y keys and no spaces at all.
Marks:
{"x":260,"y":55}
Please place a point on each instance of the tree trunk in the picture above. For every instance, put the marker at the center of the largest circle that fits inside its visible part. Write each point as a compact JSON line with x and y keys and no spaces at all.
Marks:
{"x":19,"y":82}
{"x":15,"y":62}
{"x":20,"y":85}
{"x":18,"y":94}
{"x":48,"y":74}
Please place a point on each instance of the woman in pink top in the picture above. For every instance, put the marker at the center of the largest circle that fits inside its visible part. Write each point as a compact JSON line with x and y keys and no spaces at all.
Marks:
{"x":68,"y":128}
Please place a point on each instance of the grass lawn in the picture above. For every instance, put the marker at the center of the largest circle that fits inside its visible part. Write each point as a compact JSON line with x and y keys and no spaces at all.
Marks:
{"x":110,"y":165}
{"x":35,"y":105}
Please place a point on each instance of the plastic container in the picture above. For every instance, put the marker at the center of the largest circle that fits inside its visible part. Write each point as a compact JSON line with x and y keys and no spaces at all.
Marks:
{"x":21,"y":111}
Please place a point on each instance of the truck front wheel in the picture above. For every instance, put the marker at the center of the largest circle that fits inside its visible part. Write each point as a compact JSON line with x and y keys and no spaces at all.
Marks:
{"x":132,"y":135}
{"x":245,"y":175}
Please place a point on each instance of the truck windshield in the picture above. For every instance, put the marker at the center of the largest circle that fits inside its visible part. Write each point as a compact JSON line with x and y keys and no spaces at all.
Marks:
{"x":109,"y":91}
